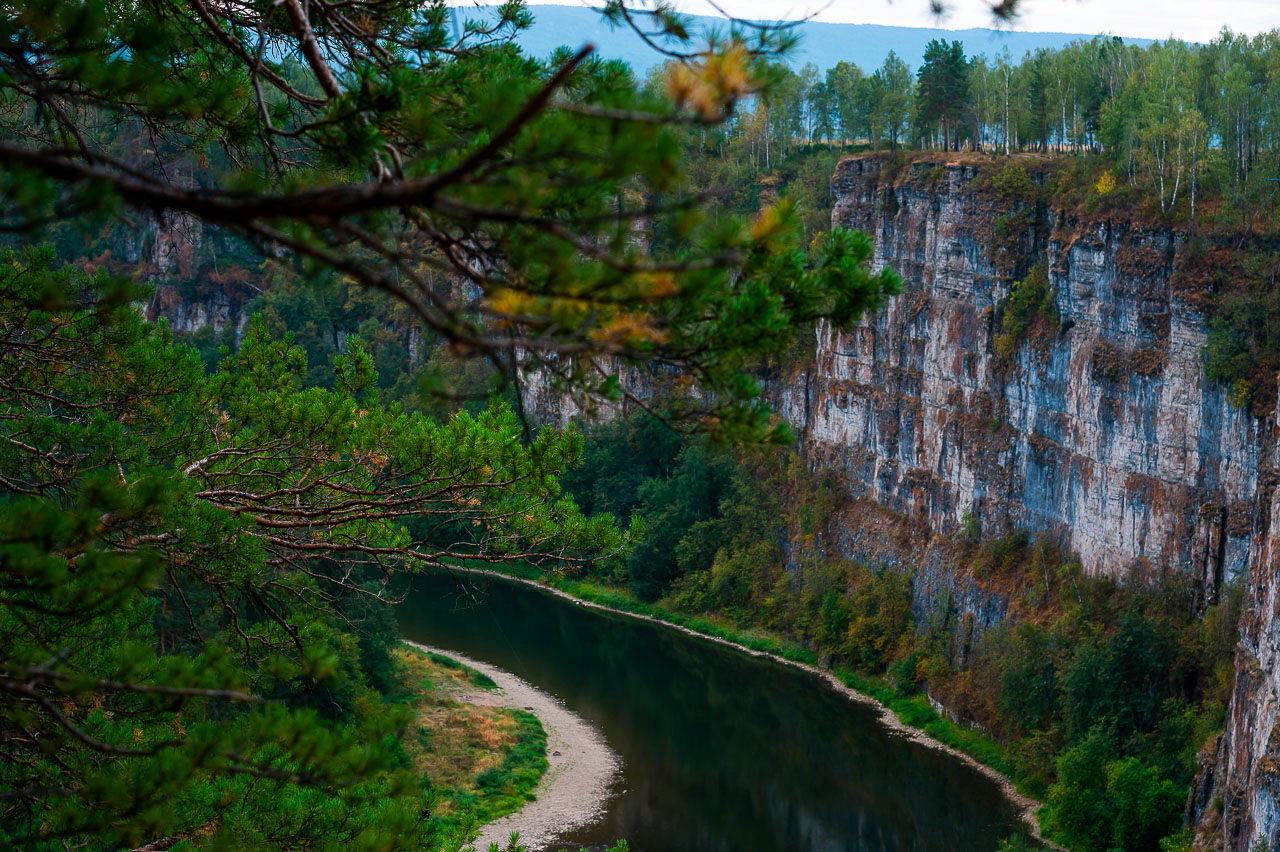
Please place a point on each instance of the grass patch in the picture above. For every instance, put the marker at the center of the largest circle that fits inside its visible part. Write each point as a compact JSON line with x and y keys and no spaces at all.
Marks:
{"x":479,"y":763}
{"x":499,"y":790}
{"x":446,"y":662}
{"x":477,"y":678}
{"x":915,"y":711}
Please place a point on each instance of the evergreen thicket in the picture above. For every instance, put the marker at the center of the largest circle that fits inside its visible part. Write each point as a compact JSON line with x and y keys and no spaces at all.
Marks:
{"x":197,"y":569}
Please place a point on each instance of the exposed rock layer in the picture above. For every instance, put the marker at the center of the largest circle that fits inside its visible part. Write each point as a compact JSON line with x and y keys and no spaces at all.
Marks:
{"x":1100,"y":429}
{"x":1103,"y":430}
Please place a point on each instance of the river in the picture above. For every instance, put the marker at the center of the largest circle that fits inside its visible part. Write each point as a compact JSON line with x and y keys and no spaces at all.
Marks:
{"x":722,"y":751}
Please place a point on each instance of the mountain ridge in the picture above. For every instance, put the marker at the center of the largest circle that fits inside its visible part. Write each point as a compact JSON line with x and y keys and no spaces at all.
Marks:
{"x":822,"y":44}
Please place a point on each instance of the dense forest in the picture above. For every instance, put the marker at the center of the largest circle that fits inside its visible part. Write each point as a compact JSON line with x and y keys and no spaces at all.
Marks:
{"x":1176,"y":119}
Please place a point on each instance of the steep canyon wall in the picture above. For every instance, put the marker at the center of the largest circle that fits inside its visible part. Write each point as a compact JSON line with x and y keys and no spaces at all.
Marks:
{"x":1099,"y":427}
{"x":1102,"y":429}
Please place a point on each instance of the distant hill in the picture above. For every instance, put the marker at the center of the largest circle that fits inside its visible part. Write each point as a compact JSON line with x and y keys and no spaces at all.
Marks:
{"x":821,"y":44}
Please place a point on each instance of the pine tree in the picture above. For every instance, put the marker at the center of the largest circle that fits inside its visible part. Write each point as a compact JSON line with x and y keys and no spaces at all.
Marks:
{"x":189,"y":560}
{"x":192,"y":635}
{"x":496,"y":196}
{"x":943,"y":91}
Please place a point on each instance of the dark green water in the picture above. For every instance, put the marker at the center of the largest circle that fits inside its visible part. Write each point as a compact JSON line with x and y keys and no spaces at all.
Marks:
{"x":722,"y":752}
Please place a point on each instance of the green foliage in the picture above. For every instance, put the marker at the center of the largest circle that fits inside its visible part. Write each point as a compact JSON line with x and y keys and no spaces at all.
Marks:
{"x":906,"y":675}
{"x":703,"y":528}
{"x":1001,"y":555}
{"x":234,"y":535}
{"x":1122,"y":681}
{"x":942,"y":91}
{"x":1243,"y":345}
{"x":880,"y":618}
{"x":1013,"y":183}
{"x":1029,"y":682}
{"x":1031,"y":306}
{"x":443,"y":749}
{"x":442,"y":660}
{"x":1012,"y":225}
{"x":677,"y":510}
{"x":505,"y":789}
{"x":495,"y":198}
{"x":1100,"y":804}
{"x":618,"y":459}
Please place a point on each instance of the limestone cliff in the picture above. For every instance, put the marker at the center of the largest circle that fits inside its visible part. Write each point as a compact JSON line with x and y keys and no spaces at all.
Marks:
{"x":1099,"y":428}
{"x":1104,"y":432}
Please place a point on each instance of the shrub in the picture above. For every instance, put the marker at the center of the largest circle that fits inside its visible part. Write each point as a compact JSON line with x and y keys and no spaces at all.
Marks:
{"x":491,"y":780}
{"x":906,"y":674}
{"x":1031,"y":304}
{"x":1013,"y":183}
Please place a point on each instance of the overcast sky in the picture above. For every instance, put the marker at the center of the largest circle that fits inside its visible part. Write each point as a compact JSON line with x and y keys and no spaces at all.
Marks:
{"x":1192,"y":20}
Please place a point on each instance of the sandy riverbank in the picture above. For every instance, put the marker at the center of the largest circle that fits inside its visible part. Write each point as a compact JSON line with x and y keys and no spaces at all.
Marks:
{"x":581,"y":768}
{"x":1027,"y":806}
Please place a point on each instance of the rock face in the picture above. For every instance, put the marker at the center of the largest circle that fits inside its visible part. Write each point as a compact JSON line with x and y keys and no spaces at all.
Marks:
{"x":217,"y":309}
{"x":1103,"y":430}
{"x":1244,"y":776}
{"x":545,"y":402}
{"x":1100,"y":428}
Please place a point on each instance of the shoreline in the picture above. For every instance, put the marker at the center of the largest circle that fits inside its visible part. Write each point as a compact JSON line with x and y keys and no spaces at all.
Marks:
{"x":581,"y":768}
{"x":1027,"y":806}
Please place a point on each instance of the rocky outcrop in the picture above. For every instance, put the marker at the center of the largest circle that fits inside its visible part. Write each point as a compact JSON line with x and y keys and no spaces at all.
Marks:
{"x":1102,"y":429}
{"x":1099,"y":427}
{"x":1236,"y":804}
{"x":217,"y":308}
{"x":546,"y":401}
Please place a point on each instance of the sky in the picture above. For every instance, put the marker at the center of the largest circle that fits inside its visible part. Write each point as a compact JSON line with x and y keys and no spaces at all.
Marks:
{"x":1191,"y":20}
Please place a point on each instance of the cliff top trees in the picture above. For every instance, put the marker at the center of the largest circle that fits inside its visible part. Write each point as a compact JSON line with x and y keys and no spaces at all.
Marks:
{"x":891,"y":84}
{"x":844,"y":82}
{"x":943,"y":90}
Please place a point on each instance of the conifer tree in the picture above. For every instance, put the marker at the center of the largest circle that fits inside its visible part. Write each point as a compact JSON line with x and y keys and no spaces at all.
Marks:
{"x":192,"y":637}
{"x":193,"y":642}
{"x":943,"y":90}
{"x":495,"y":195}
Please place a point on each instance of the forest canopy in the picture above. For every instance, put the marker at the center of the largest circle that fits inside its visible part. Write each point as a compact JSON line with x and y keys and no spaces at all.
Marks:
{"x":1177,"y":120}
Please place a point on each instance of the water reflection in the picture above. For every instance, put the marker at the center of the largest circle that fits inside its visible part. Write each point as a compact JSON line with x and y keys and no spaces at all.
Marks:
{"x":721,"y":751}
